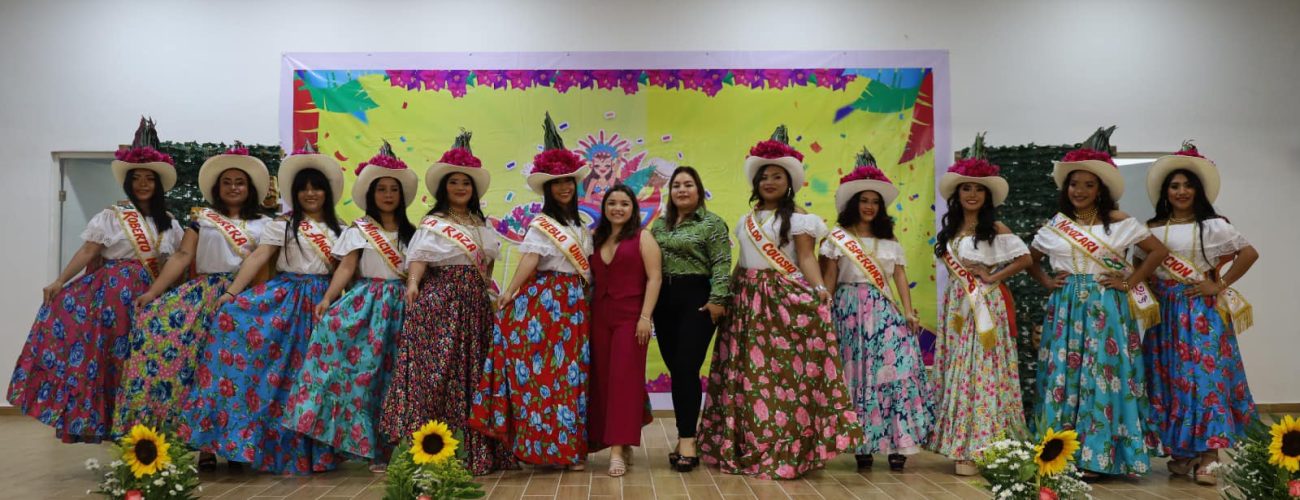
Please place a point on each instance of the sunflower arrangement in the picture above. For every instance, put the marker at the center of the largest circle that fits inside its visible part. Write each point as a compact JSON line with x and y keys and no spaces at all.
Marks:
{"x":428,"y":467}
{"x":1265,"y":463}
{"x":1034,"y":470}
{"x":148,"y":467}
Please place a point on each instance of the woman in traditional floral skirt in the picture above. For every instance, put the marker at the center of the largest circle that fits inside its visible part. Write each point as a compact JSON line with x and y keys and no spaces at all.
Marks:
{"x":1200,"y":401}
{"x":448,"y":327}
{"x":533,"y":394}
{"x":776,"y":404}
{"x":977,"y":394}
{"x":336,"y":397}
{"x":1090,"y":374}
{"x":878,"y":342}
{"x":172,"y":326}
{"x":260,"y":334}
{"x":69,"y":371}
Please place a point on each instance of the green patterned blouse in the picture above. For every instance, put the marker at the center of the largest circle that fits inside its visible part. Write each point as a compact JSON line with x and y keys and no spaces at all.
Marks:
{"x":698,"y":246}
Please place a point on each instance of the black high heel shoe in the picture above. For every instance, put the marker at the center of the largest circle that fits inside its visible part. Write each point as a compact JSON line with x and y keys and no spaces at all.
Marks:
{"x":896,"y":462}
{"x":864,"y":461}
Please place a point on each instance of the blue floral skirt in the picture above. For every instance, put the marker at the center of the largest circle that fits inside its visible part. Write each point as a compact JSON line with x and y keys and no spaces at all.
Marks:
{"x":1199,"y":397}
{"x":338,"y":393}
{"x":245,"y":373}
{"x":1091,"y":377}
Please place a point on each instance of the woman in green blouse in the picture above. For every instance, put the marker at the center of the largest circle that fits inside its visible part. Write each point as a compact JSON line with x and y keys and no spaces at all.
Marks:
{"x":696,"y":270}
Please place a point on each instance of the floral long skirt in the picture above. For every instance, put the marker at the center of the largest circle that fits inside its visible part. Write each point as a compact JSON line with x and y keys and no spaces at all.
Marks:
{"x":1091,"y":377}
{"x":776,"y":405}
{"x":441,"y":348}
{"x":337,"y":394}
{"x":1199,"y":397}
{"x":169,"y":332}
{"x":69,"y":371}
{"x":883,"y":368}
{"x":245,"y":372}
{"x":977,"y":394}
{"x":533,"y":394}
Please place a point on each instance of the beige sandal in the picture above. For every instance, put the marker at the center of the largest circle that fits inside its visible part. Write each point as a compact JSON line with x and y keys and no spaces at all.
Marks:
{"x":617,"y":467}
{"x":578,"y":467}
{"x":1205,"y":477}
{"x":966,"y":468}
{"x":1183,"y":466}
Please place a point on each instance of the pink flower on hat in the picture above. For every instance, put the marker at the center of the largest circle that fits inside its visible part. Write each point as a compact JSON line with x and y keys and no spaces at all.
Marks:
{"x":556,"y":162}
{"x":1189,"y":149}
{"x":142,"y":155}
{"x":1084,"y":154}
{"x":385,"y":159}
{"x":773,"y":149}
{"x":974,"y":167}
{"x":460,"y":157}
{"x":382,"y":161}
{"x":865,"y":172}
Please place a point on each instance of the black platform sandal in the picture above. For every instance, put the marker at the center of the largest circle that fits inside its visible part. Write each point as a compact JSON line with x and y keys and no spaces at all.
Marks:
{"x":896,"y":462}
{"x":686,"y":464}
{"x":864,"y":461}
{"x":207,"y":462}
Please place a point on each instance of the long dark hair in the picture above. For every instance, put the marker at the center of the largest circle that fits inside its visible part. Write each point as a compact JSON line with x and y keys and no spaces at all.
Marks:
{"x":882,"y":227}
{"x":551,"y":207}
{"x":405,"y":230}
{"x":784,"y":206}
{"x":986,"y":228}
{"x":1105,"y":203}
{"x":604,"y":227}
{"x":1202,"y":209}
{"x":316,"y":179}
{"x":157,"y":205}
{"x":442,"y":200}
{"x":252,"y":207}
{"x":670,"y":212}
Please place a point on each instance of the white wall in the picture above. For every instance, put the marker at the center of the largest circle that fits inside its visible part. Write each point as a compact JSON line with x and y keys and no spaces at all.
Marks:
{"x":77,"y":75}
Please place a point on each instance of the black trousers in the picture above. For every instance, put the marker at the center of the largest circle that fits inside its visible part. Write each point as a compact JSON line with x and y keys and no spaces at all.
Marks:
{"x":684,"y":332}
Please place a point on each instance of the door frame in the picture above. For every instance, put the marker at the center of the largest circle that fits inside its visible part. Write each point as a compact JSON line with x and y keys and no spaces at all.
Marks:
{"x":55,"y":240}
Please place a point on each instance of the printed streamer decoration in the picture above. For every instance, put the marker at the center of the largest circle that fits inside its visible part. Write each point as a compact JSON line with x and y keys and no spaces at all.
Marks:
{"x":634,"y":126}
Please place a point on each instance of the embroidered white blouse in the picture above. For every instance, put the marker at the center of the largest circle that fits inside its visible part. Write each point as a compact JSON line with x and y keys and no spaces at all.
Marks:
{"x":106,"y":229}
{"x":1065,"y":257}
{"x":1005,"y":248}
{"x":214,"y":254}
{"x":300,"y":257}
{"x":886,"y":253}
{"x":750,"y":258}
{"x":372,"y":264}
{"x":1219,"y":238}
{"x":439,"y":251}
{"x":551,"y":258}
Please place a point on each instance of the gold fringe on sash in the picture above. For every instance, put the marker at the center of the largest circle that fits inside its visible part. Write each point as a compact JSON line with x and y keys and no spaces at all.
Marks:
{"x":1243,"y":318}
{"x":1146,"y":319}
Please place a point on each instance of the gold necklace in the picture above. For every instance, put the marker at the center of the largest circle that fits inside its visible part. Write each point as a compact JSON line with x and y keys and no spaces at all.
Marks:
{"x":1090,"y":216}
{"x":1180,"y":220}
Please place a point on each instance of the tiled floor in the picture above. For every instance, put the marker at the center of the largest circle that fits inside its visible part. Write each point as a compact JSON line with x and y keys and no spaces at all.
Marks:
{"x":34,"y":465}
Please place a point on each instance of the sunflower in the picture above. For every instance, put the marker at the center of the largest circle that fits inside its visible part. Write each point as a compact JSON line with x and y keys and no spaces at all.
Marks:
{"x":145,"y":451}
{"x":433,"y":443}
{"x":1284,"y":450}
{"x":1056,"y":449}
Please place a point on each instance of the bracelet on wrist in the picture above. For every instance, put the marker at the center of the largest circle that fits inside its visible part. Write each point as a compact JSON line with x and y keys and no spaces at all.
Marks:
{"x":644,"y":317}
